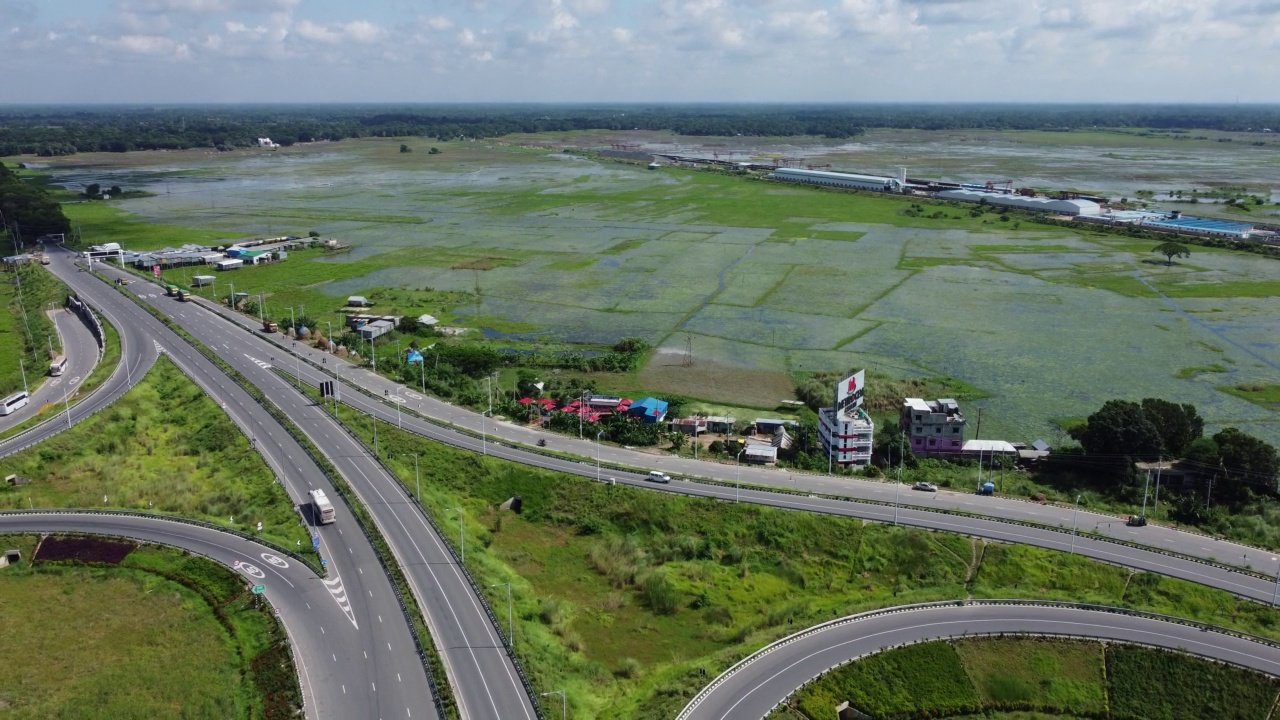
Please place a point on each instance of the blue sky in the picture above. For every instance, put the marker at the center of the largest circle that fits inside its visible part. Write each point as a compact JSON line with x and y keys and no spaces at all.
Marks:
{"x":168,"y":51}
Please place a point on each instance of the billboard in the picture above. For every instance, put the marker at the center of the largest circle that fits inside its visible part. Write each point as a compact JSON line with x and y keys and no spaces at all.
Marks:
{"x":849,"y":391}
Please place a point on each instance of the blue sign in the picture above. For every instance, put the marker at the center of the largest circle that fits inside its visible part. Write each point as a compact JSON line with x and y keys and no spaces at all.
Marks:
{"x":324,"y":563}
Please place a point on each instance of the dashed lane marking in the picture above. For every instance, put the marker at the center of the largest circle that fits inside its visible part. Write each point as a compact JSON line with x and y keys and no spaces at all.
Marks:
{"x":259,"y":363}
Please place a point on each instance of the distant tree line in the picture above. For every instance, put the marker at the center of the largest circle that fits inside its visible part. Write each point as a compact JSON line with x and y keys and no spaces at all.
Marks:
{"x":51,"y":131}
{"x":27,"y":211}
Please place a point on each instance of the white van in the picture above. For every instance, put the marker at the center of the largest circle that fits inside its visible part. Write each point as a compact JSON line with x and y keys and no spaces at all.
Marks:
{"x":658,"y":477}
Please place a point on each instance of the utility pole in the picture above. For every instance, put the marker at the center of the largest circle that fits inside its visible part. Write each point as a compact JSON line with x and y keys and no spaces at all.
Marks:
{"x":23,"y":368}
{"x":1144,"y":494}
{"x":598,"y":455}
{"x":67,"y":405}
{"x":738,"y":480}
{"x":1159,"y":467}
{"x":416,"y":478}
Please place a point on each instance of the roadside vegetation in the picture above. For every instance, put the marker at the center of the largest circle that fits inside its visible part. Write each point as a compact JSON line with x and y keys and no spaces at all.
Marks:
{"x":1005,"y":677}
{"x":164,"y":447}
{"x":26,"y":332}
{"x":160,"y":634}
{"x":627,"y":597}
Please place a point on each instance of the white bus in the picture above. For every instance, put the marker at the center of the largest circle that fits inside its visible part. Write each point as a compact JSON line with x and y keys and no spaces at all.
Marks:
{"x":58,"y":366}
{"x":324,"y":509}
{"x":13,"y":402}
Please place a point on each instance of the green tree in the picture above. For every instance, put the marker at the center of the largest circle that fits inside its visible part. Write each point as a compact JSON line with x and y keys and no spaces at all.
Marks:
{"x":1248,"y":459}
{"x":93,"y":190}
{"x":1178,"y":425}
{"x":677,"y":439}
{"x":1120,"y":429}
{"x":1171,"y":250}
{"x":405,"y":148}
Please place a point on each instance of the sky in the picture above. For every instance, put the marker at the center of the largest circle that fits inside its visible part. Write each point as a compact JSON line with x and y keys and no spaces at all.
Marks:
{"x":228,"y":51}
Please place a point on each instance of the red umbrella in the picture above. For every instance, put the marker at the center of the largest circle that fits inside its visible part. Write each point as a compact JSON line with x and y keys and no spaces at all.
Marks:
{"x":526,"y":401}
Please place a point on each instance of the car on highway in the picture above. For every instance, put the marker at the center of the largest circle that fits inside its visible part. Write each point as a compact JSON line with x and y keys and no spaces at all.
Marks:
{"x":658,"y":476}
{"x":1136,"y":521}
{"x":925,"y":486}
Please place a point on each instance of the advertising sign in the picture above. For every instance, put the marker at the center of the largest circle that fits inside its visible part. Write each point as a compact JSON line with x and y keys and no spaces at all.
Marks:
{"x":849,"y":391}
{"x":155,"y":270}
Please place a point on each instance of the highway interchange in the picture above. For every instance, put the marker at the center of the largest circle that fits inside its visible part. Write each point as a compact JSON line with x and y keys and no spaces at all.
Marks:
{"x":81,"y":350}
{"x":362,"y":616}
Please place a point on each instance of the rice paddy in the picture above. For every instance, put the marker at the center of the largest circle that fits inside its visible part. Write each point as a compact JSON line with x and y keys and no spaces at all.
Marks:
{"x":763,"y":282}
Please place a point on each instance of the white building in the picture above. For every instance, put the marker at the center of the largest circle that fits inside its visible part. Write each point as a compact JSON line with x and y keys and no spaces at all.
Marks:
{"x":1019,"y":202}
{"x":841,"y":180}
{"x":229,"y":264}
{"x":845,"y":428}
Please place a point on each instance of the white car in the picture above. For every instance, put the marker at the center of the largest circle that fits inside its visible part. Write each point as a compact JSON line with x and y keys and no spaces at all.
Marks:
{"x":925,"y":486}
{"x":658,"y":477}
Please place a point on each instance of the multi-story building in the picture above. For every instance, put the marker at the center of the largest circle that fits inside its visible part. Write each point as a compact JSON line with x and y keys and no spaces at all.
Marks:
{"x":933,"y":427}
{"x":846,"y":435}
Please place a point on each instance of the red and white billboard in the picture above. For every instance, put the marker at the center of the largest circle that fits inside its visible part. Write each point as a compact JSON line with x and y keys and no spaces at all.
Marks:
{"x":155,"y":270}
{"x":849,"y":391}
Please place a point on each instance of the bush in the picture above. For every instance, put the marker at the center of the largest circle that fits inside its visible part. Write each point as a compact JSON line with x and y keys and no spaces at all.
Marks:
{"x":660,"y":595}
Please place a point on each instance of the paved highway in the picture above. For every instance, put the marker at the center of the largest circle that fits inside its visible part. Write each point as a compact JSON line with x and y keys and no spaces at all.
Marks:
{"x":1259,"y":589}
{"x":81,"y":351}
{"x":485,"y":680}
{"x":323,"y":637}
{"x":1163,"y":538}
{"x":767,"y":678}
{"x":138,"y":353}
{"x":380,"y":674}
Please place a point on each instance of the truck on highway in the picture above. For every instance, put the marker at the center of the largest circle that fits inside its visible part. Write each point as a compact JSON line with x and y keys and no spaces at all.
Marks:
{"x":269,"y":327}
{"x":324,"y":508}
{"x":171,"y":290}
{"x":184,"y":296}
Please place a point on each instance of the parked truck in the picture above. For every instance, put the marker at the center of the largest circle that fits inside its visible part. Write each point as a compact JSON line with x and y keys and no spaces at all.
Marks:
{"x":323,"y":508}
{"x":987,"y":488}
{"x":269,"y":327}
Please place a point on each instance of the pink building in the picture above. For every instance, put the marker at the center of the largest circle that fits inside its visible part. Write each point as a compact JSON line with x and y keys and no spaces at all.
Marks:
{"x":933,"y":427}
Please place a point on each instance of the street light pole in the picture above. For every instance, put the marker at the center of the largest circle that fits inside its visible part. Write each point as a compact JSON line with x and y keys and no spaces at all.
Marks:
{"x":462,"y":537}
{"x":738,"y":477}
{"x":564,"y":703}
{"x":417,"y":480}
{"x":68,"y":406}
{"x":1073,"y":525}
{"x":598,"y":455}
{"x":898,"y":484}
{"x":1144,"y":494}
{"x":511,"y":627}
{"x":484,"y":447}
{"x":23,"y":368}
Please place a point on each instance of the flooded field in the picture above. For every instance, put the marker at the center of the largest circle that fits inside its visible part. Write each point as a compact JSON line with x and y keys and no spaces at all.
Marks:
{"x":763,"y":281}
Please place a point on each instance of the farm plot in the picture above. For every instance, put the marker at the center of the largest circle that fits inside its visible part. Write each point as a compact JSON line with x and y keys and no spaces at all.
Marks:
{"x":774,"y":328}
{"x":1032,"y":344}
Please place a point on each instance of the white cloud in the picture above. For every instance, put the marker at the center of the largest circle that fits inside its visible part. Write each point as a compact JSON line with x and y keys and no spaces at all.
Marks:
{"x":679,"y":49}
{"x":357,"y":31}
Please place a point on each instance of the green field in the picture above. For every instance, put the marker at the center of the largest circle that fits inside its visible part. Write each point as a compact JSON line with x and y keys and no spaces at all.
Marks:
{"x":1021,"y":677}
{"x":162,"y":635}
{"x":164,"y":447}
{"x":25,"y":331}
{"x":622,"y":595}
{"x":766,"y":282}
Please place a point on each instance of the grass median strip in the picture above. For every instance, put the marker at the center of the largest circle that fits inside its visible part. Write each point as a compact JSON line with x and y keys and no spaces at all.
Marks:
{"x":442,"y":694}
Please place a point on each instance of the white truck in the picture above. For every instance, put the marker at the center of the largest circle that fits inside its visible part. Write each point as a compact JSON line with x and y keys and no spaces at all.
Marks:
{"x":324,"y":508}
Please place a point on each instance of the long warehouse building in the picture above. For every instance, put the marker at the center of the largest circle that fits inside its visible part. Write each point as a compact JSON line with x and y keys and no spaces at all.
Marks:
{"x":1039,"y":204}
{"x":841,"y":180}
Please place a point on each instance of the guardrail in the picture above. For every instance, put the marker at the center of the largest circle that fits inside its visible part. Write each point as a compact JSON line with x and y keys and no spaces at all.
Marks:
{"x":457,"y":558}
{"x":57,"y":418}
{"x":381,"y":550}
{"x":915,"y":607}
{"x":86,"y":314}
{"x":172,"y":518}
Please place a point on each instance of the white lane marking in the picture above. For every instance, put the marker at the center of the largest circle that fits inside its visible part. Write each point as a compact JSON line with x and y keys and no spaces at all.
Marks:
{"x":74,"y":380}
{"x":395,"y":398}
{"x":259,"y":363}
{"x":412,"y":395}
{"x":339,"y":595}
{"x":278,"y":562}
